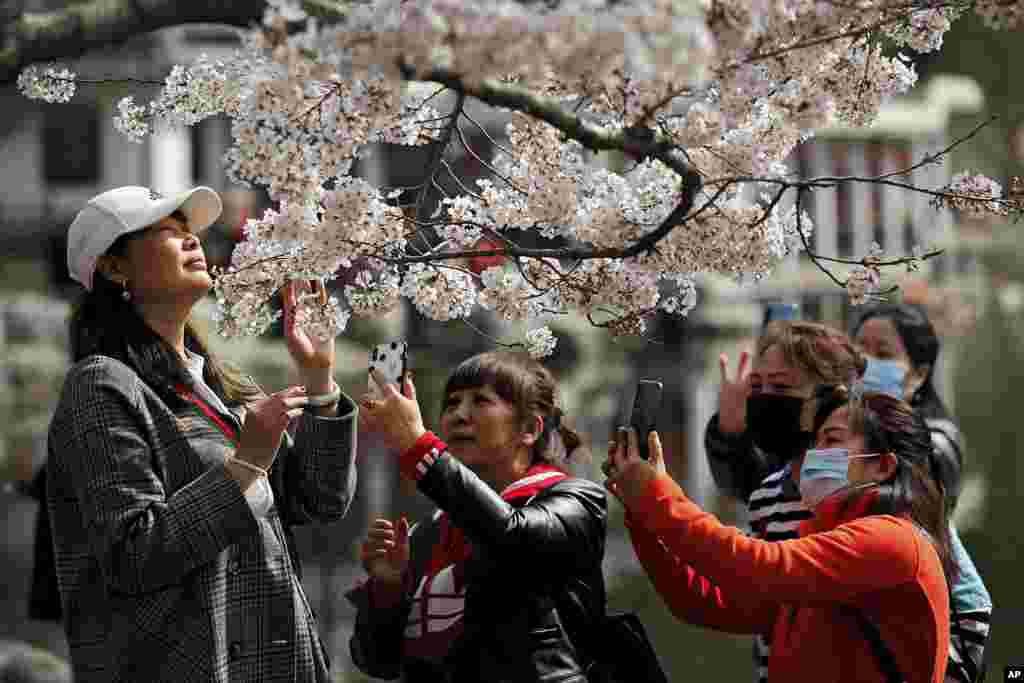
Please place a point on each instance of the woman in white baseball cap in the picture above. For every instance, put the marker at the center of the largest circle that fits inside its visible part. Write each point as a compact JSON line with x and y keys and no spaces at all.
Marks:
{"x":173,"y":480}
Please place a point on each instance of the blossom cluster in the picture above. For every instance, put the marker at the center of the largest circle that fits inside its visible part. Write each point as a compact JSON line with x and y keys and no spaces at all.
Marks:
{"x":49,"y":84}
{"x":540,"y":342}
{"x":923,"y":31}
{"x":973,"y":194}
{"x":862,"y":285}
{"x":312,"y":240}
{"x":438,"y":292}
{"x":132,"y":120}
{"x":374,"y":295}
{"x":322,"y":320}
{"x":1001,"y":14}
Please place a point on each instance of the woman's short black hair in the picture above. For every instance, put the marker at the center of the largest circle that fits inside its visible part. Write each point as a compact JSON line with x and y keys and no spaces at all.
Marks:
{"x":526,"y":384}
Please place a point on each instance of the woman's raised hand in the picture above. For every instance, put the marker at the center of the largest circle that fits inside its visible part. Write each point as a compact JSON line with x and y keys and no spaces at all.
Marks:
{"x":732,"y":397}
{"x":396,"y":416}
{"x":629,"y":474}
{"x":313,"y":356}
{"x":385,"y":552}
{"x":265,"y":422}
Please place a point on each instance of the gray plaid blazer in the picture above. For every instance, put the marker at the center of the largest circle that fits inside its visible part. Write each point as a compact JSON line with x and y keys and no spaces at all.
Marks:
{"x":165,"y":574}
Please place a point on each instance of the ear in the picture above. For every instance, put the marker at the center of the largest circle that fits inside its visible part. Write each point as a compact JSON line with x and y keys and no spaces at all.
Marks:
{"x":532,"y":429}
{"x":887,"y":464}
{"x":111,"y":268}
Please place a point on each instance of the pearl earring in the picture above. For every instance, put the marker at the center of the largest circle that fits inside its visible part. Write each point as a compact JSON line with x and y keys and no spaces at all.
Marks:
{"x":126,"y":295}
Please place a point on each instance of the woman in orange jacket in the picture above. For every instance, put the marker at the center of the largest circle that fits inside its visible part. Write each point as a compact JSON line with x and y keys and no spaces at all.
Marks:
{"x":861,"y":596}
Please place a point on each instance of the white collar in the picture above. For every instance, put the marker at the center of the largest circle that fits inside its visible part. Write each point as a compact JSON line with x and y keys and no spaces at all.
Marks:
{"x":195,"y":362}
{"x":532,"y":479}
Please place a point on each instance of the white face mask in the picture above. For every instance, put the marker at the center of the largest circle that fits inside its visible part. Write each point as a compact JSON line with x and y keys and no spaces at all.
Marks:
{"x":824,"y":472}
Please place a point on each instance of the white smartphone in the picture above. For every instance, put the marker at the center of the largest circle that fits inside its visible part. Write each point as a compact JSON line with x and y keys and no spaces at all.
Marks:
{"x":389,"y":359}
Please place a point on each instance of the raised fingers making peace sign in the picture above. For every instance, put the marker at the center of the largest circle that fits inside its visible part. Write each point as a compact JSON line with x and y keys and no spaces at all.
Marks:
{"x":733,"y":395}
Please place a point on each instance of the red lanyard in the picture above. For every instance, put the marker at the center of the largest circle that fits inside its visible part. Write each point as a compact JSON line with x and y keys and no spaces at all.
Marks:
{"x":210,"y":413}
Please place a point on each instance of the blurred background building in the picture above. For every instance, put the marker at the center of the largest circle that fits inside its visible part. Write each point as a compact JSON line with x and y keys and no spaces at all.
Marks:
{"x":58,"y":156}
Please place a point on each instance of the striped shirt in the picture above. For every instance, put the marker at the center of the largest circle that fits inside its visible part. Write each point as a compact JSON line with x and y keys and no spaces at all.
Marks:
{"x":775,"y":512}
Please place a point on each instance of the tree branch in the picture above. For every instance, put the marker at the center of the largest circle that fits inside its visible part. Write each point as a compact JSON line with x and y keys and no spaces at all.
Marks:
{"x":640,"y":143}
{"x":437,"y":154}
{"x":70,"y":32}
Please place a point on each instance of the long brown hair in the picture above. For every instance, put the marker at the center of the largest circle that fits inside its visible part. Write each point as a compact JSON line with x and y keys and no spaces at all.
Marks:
{"x":104,"y":323}
{"x":529,"y":386}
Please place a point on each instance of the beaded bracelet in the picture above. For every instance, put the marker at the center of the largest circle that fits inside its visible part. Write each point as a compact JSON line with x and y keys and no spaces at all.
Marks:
{"x":248,"y":465}
{"x":325,"y":399}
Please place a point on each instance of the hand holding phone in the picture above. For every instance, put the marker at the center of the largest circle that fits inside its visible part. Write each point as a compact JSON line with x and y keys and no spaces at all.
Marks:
{"x":644,"y":417}
{"x":390,"y":360}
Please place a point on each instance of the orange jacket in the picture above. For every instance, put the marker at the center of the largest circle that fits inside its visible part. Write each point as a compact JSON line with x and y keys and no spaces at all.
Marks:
{"x":713,"y":575}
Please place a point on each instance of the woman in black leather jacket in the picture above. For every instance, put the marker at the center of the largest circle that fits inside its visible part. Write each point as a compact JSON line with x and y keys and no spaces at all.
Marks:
{"x":502,"y":582}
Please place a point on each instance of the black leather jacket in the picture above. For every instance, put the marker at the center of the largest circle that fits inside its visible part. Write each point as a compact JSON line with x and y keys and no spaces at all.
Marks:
{"x":525,"y":557}
{"x":947,"y":457}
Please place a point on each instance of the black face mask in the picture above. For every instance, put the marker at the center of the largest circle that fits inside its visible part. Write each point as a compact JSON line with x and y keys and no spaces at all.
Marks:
{"x":773,"y":423}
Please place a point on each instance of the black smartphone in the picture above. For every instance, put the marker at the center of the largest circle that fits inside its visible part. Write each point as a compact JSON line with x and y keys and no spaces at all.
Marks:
{"x":390,"y":359}
{"x":644,"y":418}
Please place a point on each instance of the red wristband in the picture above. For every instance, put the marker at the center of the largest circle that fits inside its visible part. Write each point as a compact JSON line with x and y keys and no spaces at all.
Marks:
{"x":415,"y":462}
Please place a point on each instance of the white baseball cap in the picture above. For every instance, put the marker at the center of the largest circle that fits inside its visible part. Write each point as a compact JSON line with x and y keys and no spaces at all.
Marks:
{"x":126,"y":209}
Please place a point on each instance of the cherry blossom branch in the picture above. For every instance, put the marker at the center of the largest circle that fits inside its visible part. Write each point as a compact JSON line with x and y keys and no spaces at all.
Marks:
{"x":109,"y":81}
{"x":650,"y":110}
{"x":874,"y":263}
{"x":641,"y":143}
{"x":803,"y":239}
{"x":590,"y":135}
{"x":1010,"y":205}
{"x":491,"y":338}
{"x":437,"y":156}
{"x":469,"y":149}
{"x":840,"y":35}
{"x":937,"y":156}
{"x":79,"y":27}
{"x":830,"y":182}
{"x":458,"y":181}
{"x":490,"y":138}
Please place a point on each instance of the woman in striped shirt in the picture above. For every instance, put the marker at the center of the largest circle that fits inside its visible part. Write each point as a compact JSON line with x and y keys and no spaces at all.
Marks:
{"x":755,"y":438}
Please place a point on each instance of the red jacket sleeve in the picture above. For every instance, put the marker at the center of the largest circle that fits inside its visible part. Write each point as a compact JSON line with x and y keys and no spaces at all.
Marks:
{"x":691,"y":597}
{"x":828,"y":567}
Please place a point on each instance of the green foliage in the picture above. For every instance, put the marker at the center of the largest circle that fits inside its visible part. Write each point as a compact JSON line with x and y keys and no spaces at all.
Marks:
{"x":991,"y":58}
{"x":987,"y":384}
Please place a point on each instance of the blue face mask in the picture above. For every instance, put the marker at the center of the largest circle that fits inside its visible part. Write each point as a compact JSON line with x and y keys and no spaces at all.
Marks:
{"x":824,"y":472}
{"x":884,"y":377}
